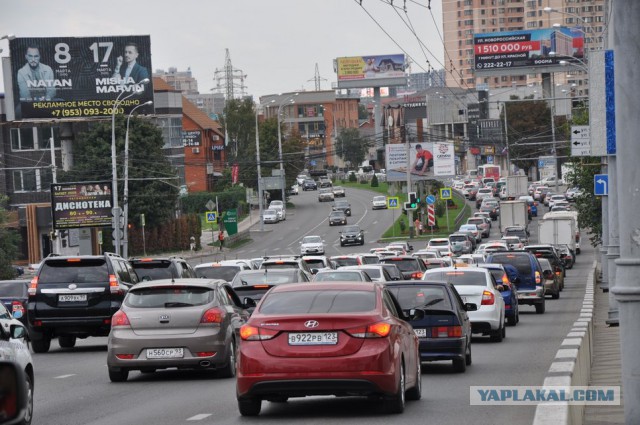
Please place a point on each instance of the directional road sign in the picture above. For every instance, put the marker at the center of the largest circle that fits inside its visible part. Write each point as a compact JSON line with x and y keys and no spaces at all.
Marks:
{"x":211,"y":217}
{"x":393,"y":202}
{"x":445,"y":193}
{"x":431,"y":199}
{"x":601,"y":184}
{"x":580,"y":140}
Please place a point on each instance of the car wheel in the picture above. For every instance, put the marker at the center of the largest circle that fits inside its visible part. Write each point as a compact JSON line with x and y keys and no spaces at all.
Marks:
{"x":41,"y":345}
{"x":118,"y":374}
{"x":249,"y":406}
{"x":540,"y":308}
{"x":67,"y":341}
{"x":395,"y":403}
{"x":459,"y":365}
{"x":415,"y":393}
{"x":341,"y":244}
{"x":229,"y":369}
{"x":556,"y":295}
{"x":362,"y":243}
{"x":467,"y":356}
{"x":511,"y":320}
{"x":28,"y":416}
{"x":498,"y":334}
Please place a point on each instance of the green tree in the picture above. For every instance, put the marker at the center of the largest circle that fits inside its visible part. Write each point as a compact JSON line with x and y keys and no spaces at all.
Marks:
{"x":352,"y":147}
{"x":8,"y":243}
{"x":363,"y":114}
{"x":238,"y":121}
{"x":147,"y":164}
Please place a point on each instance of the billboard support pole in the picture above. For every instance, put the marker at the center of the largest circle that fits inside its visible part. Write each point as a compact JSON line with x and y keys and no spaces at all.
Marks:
{"x":54,"y":180}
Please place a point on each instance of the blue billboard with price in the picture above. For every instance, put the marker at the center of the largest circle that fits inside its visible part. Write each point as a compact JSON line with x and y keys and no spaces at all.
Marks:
{"x":65,"y":78}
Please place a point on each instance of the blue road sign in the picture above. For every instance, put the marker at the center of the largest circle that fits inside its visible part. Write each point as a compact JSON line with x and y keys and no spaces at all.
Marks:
{"x":211,"y":217}
{"x":431,"y":199}
{"x":393,"y":202}
{"x":601,"y":184}
{"x":445,"y":193}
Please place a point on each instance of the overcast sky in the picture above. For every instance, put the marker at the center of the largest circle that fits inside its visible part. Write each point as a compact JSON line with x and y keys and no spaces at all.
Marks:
{"x":275,"y":43}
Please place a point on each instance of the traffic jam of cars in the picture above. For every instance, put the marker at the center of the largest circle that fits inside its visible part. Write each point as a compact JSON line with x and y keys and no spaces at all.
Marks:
{"x":287,"y":326}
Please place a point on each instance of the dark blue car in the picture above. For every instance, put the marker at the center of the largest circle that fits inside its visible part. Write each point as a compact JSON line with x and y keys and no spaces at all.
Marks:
{"x":444,"y":330}
{"x":507,"y":276}
{"x":531,"y":284}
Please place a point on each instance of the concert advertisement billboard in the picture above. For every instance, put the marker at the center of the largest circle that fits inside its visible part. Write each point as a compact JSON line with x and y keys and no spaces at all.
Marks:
{"x":85,"y":204}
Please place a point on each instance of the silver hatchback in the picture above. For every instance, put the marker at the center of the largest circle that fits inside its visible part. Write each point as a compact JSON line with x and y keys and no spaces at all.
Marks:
{"x":182,"y":323}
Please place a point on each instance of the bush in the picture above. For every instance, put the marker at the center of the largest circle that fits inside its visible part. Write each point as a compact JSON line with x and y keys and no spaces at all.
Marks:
{"x":353,"y":178}
{"x":374,"y":181}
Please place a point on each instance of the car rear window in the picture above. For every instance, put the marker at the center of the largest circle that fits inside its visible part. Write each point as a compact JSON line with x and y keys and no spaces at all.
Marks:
{"x":459,"y":238}
{"x":438,"y":243}
{"x":424,"y":296}
{"x":516,"y":232}
{"x":168,"y":297}
{"x":273,"y":278}
{"x":280,"y":265}
{"x":370,"y":260}
{"x":373,"y":273}
{"x":318,"y":302}
{"x":315,"y":264}
{"x":457,"y":277}
{"x":339,"y":262}
{"x":521,"y":262}
{"x":74,"y":271}
{"x":154,"y":270}
{"x":497,"y":274}
{"x":404,"y":264}
{"x":223,"y":272}
{"x":15,"y":289}
{"x":338,"y":276}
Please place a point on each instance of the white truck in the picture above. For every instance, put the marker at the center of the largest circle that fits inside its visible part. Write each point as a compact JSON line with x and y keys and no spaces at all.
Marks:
{"x":513,"y":213}
{"x":575,"y":228}
{"x":517,"y":186}
{"x":558,"y":231}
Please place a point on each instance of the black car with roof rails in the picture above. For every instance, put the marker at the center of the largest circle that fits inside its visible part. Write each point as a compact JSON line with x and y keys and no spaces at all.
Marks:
{"x":309,"y":184}
{"x":444,"y":332}
{"x":75,"y":297}
{"x":154,"y":268}
{"x":342,"y":205}
{"x":411,"y":267}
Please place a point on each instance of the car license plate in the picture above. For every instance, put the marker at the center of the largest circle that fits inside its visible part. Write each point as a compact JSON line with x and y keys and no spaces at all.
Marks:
{"x":75,"y":298}
{"x":421,"y":333}
{"x":165,"y":353}
{"x":313,"y":338}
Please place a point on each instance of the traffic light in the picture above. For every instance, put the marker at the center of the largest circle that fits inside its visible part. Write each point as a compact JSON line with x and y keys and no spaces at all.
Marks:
{"x":412,"y":204}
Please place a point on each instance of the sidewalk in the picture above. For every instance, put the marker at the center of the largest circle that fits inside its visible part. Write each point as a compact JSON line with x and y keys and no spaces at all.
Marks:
{"x":606,"y":364}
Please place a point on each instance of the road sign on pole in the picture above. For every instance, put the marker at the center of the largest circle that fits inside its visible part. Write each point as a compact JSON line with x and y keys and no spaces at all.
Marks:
{"x":211,"y":217}
{"x":393,"y":202}
{"x":580,"y":140}
{"x":445,"y":193}
{"x":431,"y":199}
{"x":601,"y":184}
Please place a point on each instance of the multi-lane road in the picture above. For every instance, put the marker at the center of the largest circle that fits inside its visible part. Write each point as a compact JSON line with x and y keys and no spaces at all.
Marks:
{"x":72,"y":385}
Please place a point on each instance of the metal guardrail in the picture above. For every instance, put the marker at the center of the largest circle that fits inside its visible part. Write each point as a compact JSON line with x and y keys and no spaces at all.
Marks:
{"x":461,"y":215}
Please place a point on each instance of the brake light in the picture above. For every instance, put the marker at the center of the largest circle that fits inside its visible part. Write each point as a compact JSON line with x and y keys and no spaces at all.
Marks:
{"x":488,"y":298}
{"x":416,"y":275}
{"x":375,"y":330}
{"x":213,"y":315}
{"x":73,"y":260}
{"x":505,"y":279}
{"x":253,"y":333}
{"x":120,"y":319}
{"x":146,"y":260}
{"x":113,"y":284}
{"x":124,"y":356}
{"x":33,"y":286}
{"x":558,"y":273}
{"x":260,"y":286}
{"x":446,"y":331}
{"x":538,"y":280}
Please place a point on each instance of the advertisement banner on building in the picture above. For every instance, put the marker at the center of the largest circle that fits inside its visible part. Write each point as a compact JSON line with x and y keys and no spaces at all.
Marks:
{"x":191,"y":138}
{"x":370,"y":67}
{"x":546,"y":47}
{"x":80,"y":77}
{"x":427,"y":161}
{"x":86,"y":204}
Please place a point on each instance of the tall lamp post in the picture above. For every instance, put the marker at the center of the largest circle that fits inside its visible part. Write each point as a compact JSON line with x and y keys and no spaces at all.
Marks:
{"x":8,"y":37}
{"x":125,"y":197}
{"x":260,"y":206}
{"x":114,"y":171}
{"x":289,"y":100}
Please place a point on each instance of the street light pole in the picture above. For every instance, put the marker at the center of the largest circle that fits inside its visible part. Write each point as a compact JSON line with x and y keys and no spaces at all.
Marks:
{"x":259,"y":174}
{"x":114,"y":172}
{"x":125,"y":197}
{"x":280,"y":145}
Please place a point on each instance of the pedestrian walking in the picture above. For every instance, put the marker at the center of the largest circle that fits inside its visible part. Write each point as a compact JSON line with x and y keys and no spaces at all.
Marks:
{"x":221,"y":239}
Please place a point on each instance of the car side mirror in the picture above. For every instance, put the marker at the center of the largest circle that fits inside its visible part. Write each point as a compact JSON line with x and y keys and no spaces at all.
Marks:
{"x":249,"y":302}
{"x":470,"y":307}
{"x":19,"y":332}
{"x":13,"y":398}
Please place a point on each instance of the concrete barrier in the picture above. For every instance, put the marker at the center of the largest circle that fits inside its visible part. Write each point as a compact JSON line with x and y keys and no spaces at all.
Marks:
{"x":572,"y":364}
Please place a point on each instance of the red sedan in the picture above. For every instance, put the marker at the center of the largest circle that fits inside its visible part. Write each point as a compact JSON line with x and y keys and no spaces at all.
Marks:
{"x":328,"y":338}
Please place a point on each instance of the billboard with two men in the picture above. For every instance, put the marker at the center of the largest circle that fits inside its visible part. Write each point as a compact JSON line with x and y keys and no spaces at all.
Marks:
{"x":78,"y":77}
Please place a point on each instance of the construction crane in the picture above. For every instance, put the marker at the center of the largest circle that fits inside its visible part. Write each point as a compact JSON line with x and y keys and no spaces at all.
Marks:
{"x":226,"y":80}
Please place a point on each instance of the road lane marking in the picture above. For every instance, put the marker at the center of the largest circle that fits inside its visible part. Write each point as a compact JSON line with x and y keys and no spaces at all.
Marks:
{"x":64,"y":376}
{"x":200,"y":417}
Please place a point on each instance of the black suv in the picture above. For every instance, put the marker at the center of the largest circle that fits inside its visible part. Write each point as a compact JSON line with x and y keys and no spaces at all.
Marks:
{"x":162,"y":268}
{"x":352,"y":235}
{"x":342,"y":205}
{"x":309,"y":184}
{"x":75,"y":297}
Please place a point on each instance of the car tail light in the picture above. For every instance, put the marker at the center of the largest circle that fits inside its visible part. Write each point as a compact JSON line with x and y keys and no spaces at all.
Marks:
{"x":33,"y":286}
{"x":113,"y":284}
{"x":120,"y":319}
{"x":538,"y":280}
{"x":416,"y":275}
{"x":488,"y":298}
{"x":205,"y":353}
{"x":446,"y":331}
{"x":253,"y":333}
{"x":124,"y":356}
{"x":505,"y":279}
{"x":213,"y":315}
{"x":507,"y":306}
{"x":375,"y":330}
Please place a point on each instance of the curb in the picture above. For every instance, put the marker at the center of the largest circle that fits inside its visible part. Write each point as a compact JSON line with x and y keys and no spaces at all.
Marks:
{"x":572,"y":364}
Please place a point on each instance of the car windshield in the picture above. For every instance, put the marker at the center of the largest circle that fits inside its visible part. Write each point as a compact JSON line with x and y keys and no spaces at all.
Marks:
{"x":423,"y":296}
{"x":226,"y":273}
{"x":351,"y":229}
{"x":266,"y":278}
{"x":457,"y":277}
{"x":270,"y":212}
{"x":380,"y":198}
{"x":318,"y":302}
{"x":169,"y":296}
{"x":312,"y":239}
{"x":337,"y":214}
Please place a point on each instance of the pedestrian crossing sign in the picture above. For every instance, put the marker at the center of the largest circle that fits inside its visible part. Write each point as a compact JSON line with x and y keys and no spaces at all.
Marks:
{"x":445,"y":193}
{"x":211,"y":217}
{"x":393,"y":202}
